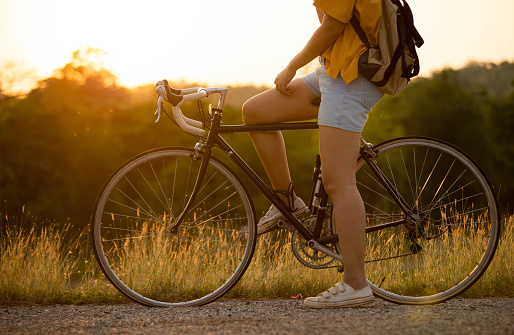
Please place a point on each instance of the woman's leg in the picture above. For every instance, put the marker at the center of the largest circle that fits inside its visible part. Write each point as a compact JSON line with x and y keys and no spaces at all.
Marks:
{"x":339,"y":151}
{"x":273,"y":107}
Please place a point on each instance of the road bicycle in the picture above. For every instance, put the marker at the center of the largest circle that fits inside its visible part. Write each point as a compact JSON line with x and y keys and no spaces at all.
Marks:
{"x":177,"y":227}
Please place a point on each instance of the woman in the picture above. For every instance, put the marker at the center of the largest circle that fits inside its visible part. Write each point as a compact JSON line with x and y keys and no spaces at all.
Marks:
{"x":346,"y":100}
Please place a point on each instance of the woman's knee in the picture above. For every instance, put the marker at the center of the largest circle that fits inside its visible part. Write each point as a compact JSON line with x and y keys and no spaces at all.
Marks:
{"x":271,"y":106}
{"x":338,"y":187}
{"x":259,"y":109}
{"x":250,"y":111}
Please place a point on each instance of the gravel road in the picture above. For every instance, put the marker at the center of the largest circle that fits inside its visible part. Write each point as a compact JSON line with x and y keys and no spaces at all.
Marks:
{"x":458,"y":316}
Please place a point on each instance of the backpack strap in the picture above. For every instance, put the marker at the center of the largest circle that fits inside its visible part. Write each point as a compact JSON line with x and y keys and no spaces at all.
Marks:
{"x":360,"y":32}
{"x":390,"y":70}
{"x":409,"y":18}
{"x":409,"y":36}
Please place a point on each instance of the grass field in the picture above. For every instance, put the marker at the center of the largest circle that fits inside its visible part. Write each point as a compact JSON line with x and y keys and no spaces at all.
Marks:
{"x":38,"y":267}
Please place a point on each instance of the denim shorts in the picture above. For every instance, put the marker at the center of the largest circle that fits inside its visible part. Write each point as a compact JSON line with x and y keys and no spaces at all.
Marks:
{"x":343,"y":106}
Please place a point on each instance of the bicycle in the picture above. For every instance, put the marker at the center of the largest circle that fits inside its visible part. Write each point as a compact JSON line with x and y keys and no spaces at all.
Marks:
{"x":177,"y":227}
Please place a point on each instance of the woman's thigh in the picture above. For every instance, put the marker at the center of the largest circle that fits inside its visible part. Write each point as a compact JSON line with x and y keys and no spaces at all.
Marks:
{"x":272,"y":106}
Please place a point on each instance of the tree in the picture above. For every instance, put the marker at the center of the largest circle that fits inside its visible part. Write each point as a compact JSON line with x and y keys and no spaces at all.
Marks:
{"x":49,"y":137}
{"x":60,"y":142}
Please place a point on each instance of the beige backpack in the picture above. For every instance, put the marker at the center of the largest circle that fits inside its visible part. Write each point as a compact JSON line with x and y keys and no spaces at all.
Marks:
{"x":392,"y":64}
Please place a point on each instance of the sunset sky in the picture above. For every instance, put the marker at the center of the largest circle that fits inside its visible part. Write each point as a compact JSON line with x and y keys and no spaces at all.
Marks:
{"x":225,"y":42}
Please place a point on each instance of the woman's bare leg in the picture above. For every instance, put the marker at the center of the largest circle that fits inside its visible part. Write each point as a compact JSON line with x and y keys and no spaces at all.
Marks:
{"x":273,"y":107}
{"x":339,"y":151}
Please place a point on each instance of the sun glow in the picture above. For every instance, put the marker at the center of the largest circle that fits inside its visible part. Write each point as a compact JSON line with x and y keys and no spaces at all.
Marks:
{"x":206,"y":41}
{"x":222,"y":42}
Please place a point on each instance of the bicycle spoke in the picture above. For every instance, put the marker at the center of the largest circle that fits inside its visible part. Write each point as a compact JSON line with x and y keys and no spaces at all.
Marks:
{"x":187,"y":184}
{"x":166,"y":205}
{"x":377,"y":193}
{"x":135,"y":266}
{"x":442,"y":181}
{"x":209,"y":195}
{"x":208,"y":263}
{"x":452,"y":234}
{"x":224,"y":242}
{"x":137,"y":210}
{"x":142,"y":198}
{"x":174,"y":183}
{"x":157,"y":263}
{"x":450,"y":261}
{"x":429,"y":176}
{"x":406,"y":173}
{"x":457,"y":252}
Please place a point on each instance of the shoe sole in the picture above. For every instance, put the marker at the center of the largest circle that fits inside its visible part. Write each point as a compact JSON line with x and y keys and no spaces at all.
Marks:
{"x":272,"y":224}
{"x":347,"y":303}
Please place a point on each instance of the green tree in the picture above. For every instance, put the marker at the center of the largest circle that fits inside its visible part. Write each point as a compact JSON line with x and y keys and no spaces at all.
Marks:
{"x":48,"y":139}
{"x":60,"y":142}
{"x":470,"y":108}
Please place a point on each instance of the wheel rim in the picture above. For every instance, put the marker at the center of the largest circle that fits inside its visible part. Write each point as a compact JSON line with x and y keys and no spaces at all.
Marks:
{"x":455,"y":236}
{"x":156,"y":265}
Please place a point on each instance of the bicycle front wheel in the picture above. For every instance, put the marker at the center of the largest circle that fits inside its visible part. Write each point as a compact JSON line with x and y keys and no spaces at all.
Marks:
{"x":149,"y":260}
{"x":451,"y":242}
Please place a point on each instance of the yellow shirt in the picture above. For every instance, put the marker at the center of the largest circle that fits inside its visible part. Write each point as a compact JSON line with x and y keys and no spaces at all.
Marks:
{"x":343,"y":56}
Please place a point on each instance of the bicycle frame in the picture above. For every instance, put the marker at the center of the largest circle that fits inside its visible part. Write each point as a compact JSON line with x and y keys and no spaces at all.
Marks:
{"x":176,"y":217}
{"x":204,"y":151}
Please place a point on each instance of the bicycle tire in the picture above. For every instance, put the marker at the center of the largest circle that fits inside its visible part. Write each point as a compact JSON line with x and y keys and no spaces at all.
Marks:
{"x":451,"y":244}
{"x":149,"y":262}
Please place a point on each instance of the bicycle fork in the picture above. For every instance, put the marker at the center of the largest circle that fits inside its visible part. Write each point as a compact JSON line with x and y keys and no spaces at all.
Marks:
{"x":203,"y":153}
{"x":203,"y":167}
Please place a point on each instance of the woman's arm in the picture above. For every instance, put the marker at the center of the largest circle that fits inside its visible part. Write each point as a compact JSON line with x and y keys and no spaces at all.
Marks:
{"x":320,"y":15}
{"x":320,"y":41}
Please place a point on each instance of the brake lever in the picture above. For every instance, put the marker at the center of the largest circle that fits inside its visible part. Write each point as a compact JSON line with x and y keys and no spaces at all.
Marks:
{"x":160,"y":106}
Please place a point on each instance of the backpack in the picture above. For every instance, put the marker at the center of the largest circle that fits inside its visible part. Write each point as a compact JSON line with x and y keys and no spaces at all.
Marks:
{"x":391,"y":64}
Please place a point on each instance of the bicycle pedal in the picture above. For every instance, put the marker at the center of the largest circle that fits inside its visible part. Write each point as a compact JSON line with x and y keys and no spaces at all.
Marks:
{"x":282,"y":224}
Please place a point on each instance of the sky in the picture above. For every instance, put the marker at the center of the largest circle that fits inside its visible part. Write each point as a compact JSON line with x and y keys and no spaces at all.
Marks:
{"x":225,"y":42}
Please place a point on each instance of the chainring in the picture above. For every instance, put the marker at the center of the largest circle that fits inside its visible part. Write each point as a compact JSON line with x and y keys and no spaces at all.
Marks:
{"x":306,"y":255}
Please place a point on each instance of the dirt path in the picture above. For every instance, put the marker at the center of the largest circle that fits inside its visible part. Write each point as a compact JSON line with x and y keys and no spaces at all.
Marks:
{"x":458,"y":316}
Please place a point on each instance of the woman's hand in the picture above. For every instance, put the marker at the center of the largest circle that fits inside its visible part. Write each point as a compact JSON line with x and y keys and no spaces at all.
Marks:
{"x":283,"y":79}
{"x":320,"y":41}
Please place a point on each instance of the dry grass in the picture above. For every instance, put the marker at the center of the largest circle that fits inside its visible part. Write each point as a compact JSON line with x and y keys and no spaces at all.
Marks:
{"x":38,"y":267}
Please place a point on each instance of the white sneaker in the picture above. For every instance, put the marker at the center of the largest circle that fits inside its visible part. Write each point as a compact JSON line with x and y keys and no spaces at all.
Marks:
{"x":341,"y":295}
{"x":270,"y":220}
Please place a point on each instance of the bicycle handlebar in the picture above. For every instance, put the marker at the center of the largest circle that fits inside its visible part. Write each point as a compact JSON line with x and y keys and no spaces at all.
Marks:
{"x":177,"y":97}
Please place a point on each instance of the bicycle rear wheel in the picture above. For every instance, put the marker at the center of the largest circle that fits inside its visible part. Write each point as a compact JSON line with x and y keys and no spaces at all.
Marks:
{"x":148,"y":261}
{"x":452,"y":242}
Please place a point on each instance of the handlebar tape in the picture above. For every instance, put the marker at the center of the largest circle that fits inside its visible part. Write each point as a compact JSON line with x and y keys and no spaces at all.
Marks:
{"x":187,"y":124}
{"x":176,"y":98}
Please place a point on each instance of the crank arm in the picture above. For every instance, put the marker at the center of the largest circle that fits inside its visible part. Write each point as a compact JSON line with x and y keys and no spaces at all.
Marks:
{"x":283,"y":224}
{"x":319,"y":247}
